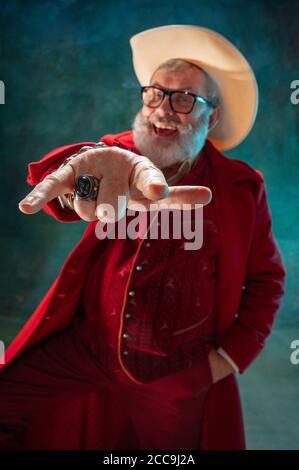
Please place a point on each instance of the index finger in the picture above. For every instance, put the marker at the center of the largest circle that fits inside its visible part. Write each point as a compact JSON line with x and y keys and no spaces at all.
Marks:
{"x":183,"y":197}
{"x":55,"y":184}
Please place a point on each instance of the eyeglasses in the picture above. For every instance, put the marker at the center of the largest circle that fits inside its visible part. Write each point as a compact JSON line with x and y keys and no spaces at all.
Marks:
{"x":180,"y":101}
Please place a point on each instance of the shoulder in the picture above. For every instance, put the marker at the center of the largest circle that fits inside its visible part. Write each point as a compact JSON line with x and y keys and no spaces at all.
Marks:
{"x":230,"y":168}
{"x":122,"y":139}
{"x":245,"y":169}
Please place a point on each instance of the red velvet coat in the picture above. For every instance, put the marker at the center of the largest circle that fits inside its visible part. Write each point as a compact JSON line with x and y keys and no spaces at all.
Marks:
{"x":249,"y":290}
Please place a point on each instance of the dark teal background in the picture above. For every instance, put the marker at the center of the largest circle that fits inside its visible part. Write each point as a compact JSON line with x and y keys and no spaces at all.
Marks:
{"x":68,"y":77}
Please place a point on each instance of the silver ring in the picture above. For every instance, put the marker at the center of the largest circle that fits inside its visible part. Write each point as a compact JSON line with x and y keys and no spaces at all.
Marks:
{"x":86,"y":188}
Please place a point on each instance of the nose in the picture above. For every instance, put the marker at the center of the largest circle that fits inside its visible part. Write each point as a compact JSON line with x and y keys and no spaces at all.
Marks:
{"x":164,"y":108}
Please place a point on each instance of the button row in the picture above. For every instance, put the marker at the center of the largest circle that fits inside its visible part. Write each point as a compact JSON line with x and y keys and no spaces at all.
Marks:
{"x":132,"y":294}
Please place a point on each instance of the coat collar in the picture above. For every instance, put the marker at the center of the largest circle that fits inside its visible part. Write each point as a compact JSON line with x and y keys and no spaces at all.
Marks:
{"x":231,"y":170}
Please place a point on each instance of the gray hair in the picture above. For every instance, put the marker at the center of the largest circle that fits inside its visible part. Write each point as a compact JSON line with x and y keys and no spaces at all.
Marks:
{"x":178,"y":65}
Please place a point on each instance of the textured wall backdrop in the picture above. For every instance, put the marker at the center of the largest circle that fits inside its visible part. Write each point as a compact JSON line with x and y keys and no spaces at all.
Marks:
{"x":68,"y":77}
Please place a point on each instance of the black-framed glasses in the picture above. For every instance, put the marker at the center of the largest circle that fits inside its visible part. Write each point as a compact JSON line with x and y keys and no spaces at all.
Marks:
{"x":180,"y":101}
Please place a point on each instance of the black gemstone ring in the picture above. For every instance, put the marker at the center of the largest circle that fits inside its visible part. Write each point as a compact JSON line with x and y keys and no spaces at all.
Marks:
{"x":86,"y":188}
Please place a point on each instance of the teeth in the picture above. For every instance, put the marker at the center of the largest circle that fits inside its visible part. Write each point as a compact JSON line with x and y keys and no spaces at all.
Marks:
{"x":164,"y":126}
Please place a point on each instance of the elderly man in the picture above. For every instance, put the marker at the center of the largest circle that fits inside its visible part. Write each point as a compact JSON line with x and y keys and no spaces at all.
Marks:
{"x":137,"y":343}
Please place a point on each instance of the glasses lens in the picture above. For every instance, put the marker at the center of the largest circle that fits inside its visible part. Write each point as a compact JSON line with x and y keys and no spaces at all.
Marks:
{"x":152,"y":96}
{"x":182,"y":102}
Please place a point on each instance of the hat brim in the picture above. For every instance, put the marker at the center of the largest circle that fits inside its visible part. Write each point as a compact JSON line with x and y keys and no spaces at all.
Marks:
{"x":219,"y":58}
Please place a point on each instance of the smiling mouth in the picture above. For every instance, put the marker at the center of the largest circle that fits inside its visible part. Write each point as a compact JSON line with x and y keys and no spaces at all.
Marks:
{"x":164,"y":131}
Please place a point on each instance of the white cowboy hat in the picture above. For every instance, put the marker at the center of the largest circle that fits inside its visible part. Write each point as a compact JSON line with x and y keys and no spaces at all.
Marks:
{"x":219,"y":58}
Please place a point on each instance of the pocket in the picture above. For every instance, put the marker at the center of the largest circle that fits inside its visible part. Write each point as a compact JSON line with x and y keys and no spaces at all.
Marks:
{"x":202,"y":379}
{"x":193,"y":381}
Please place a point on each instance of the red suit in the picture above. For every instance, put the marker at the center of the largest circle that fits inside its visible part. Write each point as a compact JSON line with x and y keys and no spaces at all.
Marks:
{"x":246,"y":292}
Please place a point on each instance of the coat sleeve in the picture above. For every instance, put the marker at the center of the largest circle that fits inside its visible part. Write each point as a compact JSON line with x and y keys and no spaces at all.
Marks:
{"x":37,"y":171}
{"x":263,"y":291}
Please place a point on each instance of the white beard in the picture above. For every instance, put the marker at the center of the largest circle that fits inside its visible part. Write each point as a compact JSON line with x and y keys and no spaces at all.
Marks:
{"x":186,"y":145}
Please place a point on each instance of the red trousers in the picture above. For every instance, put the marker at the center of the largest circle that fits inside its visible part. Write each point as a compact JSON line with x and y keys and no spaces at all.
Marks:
{"x":163,"y":414}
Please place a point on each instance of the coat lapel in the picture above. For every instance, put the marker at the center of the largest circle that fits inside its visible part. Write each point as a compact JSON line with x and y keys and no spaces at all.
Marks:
{"x":233,"y":184}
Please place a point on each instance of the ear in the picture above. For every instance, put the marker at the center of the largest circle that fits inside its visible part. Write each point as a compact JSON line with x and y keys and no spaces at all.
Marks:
{"x":214,"y":118}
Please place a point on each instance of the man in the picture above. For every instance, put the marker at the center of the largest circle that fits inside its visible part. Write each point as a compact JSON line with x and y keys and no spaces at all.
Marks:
{"x":137,"y":343}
